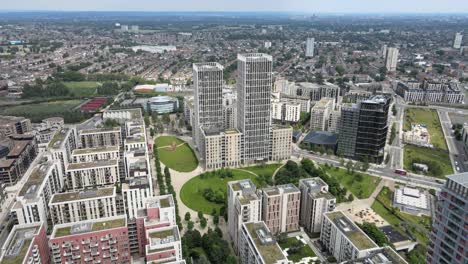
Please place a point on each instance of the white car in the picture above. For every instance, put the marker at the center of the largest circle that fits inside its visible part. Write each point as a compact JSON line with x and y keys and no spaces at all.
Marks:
{"x":458,"y":168}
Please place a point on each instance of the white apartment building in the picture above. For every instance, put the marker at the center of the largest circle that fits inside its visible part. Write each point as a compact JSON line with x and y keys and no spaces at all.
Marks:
{"x":83,"y":205}
{"x":32,"y":201}
{"x":457,"y":42}
{"x":100,"y":137}
{"x":164,"y":245}
{"x":391,"y":59}
{"x":62,"y":145}
{"x":91,"y":174}
{"x":310,"y":47}
{"x":221,"y":149}
{"x":280,"y":208}
{"x":315,"y":201}
{"x":95,"y":154}
{"x":304,"y":102}
{"x":258,"y":246}
{"x":334,"y":121}
{"x":135,"y":193}
{"x":320,"y":114}
{"x":315,"y":92}
{"x":244,"y":206}
{"x":344,"y":239}
{"x":123,"y":115}
{"x":281,"y":142}
{"x":286,"y":111}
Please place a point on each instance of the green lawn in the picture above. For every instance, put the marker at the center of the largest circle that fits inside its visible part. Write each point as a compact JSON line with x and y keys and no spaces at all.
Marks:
{"x":267,"y":169}
{"x":191,"y":195}
{"x":181,"y":159}
{"x":82,"y":89}
{"x":438,"y":160}
{"x":417,"y":226}
{"x":361,"y":188}
{"x":430,"y":118}
{"x":304,"y":251}
{"x":37,"y":112}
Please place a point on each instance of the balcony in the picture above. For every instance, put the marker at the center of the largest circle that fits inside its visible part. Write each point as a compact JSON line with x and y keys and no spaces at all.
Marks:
{"x":105,"y":247}
{"x":75,"y":248}
{"x":114,"y":258}
{"x":66,"y":254}
{"x":92,"y":245}
{"x":95,"y":253}
{"x":85,"y":242}
{"x":76,"y":256}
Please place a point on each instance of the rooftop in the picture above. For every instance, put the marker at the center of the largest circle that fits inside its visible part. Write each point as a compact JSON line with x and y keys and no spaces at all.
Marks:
{"x":279,"y":189}
{"x":35,"y":179}
{"x":321,"y":138}
{"x":89,"y":226}
{"x":95,"y":150}
{"x":264,"y":242}
{"x":80,"y":195}
{"x":19,"y":242}
{"x":100,"y":130}
{"x":58,"y":138}
{"x":351,"y":231}
{"x":208,"y":66}
{"x":460,"y":178}
{"x":94,"y":164}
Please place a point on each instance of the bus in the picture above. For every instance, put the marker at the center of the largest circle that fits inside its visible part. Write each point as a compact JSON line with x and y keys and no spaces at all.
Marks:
{"x":401,"y":172}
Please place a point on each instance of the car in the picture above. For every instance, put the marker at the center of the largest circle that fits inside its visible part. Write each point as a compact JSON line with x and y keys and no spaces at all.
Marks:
{"x":456,"y":162}
{"x":458,"y":168}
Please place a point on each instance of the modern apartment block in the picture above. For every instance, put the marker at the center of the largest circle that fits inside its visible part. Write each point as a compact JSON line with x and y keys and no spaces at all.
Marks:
{"x":449,"y":229}
{"x":315,"y":201}
{"x":26,"y":244}
{"x":391,"y":59}
{"x":286,"y":111}
{"x":92,"y":174}
{"x":244,"y":206}
{"x":344,"y":239}
{"x":164,"y":245}
{"x":280,"y":208}
{"x":103,"y":240}
{"x":334,"y":120}
{"x":22,"y":150}
{"x":320,"y":114}
{"x":457,"y":42}
{"x":95,"y":154}
{"x":208,"y":98}
{"x":32,"y":201}
{"x":258,"y":246}
{"x":384,"y":255}
{"x":221,"y":149}
{"x":100,"y":137}
{"x":310,"y":47}
{"x":280,"y":145}
{"x":255,"y":72}
{"x":363,"y":129}
{"x":135,"y":193}
{"x":315,"y":92}
{"x":10,"y":125}
{"x":431,"y":91}
{"x":62,"y":145}
{"x":83,"y":205}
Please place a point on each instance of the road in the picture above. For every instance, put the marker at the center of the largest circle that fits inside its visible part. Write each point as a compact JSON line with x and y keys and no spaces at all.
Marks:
{"x":458,"y":155}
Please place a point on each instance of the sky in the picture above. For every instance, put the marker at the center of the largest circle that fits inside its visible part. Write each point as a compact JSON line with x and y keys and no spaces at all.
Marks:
{"x":308,"y":6}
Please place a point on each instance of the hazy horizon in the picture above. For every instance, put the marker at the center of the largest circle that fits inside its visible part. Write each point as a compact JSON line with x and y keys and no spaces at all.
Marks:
{"x":289,"y":6}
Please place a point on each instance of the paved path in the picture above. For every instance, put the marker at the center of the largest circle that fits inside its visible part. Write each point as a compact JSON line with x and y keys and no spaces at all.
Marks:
{"x":181,"y":144}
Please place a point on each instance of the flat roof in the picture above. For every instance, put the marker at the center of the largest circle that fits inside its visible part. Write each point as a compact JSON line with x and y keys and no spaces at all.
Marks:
{"x":35,"y":180}
{"x":94,"y":164}
{"x":351,"y":230}
{"x":285,"y":188}
{"x":411,"y":197}
{"x":58,"y":138}
{"x":81,"y":195}
{"x":89,"y":226}
{"x":321,"y":138}
{"x":460,"y":178}
{"x":95,"y":150}
{"x":100,"y":130}
{"x":17,"y":247}
{"x":264,"y":242}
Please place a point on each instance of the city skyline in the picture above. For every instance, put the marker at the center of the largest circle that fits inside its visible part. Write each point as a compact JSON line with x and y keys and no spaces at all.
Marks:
{"x":300,"y":6}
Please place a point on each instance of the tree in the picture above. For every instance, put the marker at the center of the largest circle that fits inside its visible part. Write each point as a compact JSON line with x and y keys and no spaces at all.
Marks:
{"x":216,"y":219}
{"x":190,"y":225}
{"x":213,"y":212}
{"x":200,"y":215}
{"x":340,"y":70}
{"x":394,"y":110}
{"x":187,"y":216}
{"x":374,"y":233}
{"x":203,"y":222}
{"x":350,"y":198}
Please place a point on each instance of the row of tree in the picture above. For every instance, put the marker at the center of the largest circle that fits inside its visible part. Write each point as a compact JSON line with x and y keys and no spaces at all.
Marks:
{"x":215,"y":249}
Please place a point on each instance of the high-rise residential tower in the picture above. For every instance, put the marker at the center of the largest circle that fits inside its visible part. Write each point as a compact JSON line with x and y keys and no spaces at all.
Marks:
{"x":254,"y":82}
{"x":449,"y":230}
{"x":391,"y":59}
{"x":208,"y":101}
{"x":457,"y":42}
{"x":310,"y":47}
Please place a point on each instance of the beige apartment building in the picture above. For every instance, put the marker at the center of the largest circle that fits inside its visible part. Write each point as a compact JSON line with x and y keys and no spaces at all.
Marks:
{"x":280,"y":208}
{"x":95,"y":154}
{"x":320,"y":113}
{"x":100,"y":137}
{"x":90,"y":174}
{"x":221,"y":149}
{"x":281,"y":141}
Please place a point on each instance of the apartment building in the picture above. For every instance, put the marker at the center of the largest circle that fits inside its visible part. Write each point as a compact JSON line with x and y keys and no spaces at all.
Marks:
{"x":391,"y":59}
{"x":221,"y":149}
{"x":26,"y":243}
{"x":92,"y":174}
{"x":100,"y":137}
{"x":280,"y":208}
{"x":258,"y":246}
{"x":281,"y":142}
{"x":320,"y":113}
{"x":135,"y":135}
{"x":431,"y":91}
{"x":384,"y":255}
{"x":95,"y":154}
{"x":10,"y":125}
{"x":449,"y":228}
{"x":344,"y":239}
{"x":62,"y":145}
{"x":315,"y":92}
{"x":164,"y":245}
{"x":22,"y":150}
{"x":254,"y":80}
{"x":122,"y":115}
{"x":32,"y":201}
{"x":315,"y":201}
{"x":135,"y":192}
{"x":334,"y":120}
{"x":244,"y":205}
{"x":286,"y":111}
{"x":83,"y":205}
{"x":103,"y":240}
{"x":304,"y":103}
{"x":310,"y":47}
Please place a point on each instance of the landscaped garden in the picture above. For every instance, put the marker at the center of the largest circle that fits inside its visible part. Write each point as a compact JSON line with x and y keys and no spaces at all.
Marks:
{"x":82,"y":89}
{"x":296,"y":249}
{"x":176,"y":154}
{"x":429,"y":118}
{"x":263,"y":169}
{"x":438,"y":161}
{"x":359,"y":184}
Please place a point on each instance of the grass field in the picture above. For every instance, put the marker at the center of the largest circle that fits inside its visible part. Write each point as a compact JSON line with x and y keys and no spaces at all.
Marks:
{"x":428,"y":156}
{"x":37,"y":112}
{"x":267,"y":169}
{"x":362,"y":188}
{"x":191,"y":196}
{"x":82,"y":89}
{"x":418,"y":226}
{"x":430,"y":118}
{"x":181,"y":159}
{"x":304,"y":251}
